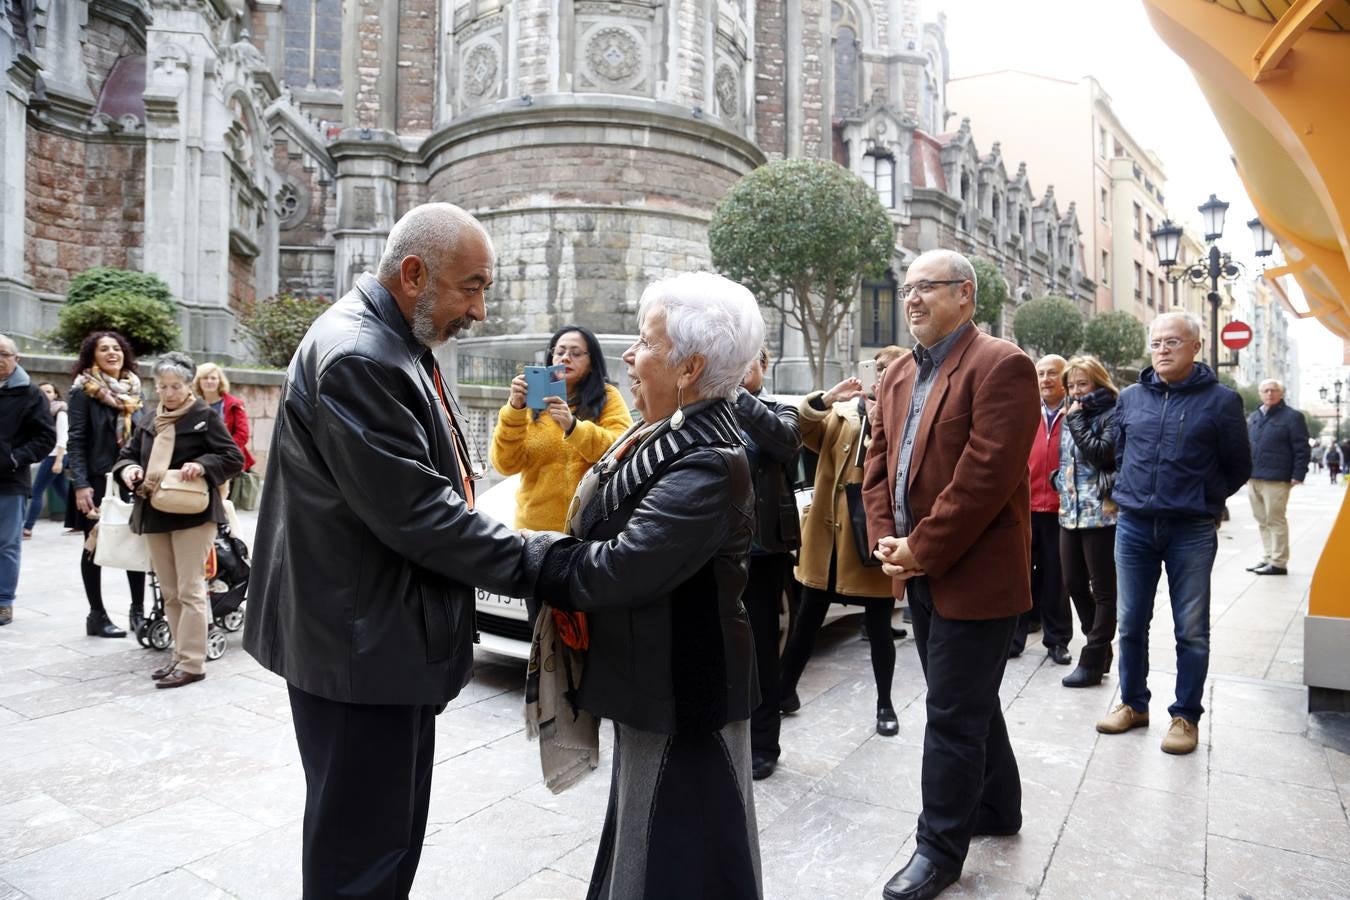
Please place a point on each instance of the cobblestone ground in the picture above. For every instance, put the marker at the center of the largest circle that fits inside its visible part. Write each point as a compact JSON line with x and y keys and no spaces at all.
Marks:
{"x":111,"y":788}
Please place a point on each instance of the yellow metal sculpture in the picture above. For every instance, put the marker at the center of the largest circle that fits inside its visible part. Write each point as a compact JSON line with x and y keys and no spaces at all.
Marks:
{"x":1277,"y":75}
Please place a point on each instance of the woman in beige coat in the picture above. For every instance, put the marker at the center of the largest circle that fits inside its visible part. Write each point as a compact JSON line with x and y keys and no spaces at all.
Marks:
{"x":829,"y":565}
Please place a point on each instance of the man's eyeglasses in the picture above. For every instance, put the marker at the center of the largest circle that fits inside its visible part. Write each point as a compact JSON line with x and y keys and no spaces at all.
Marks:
{"x":1171,"y":343}
{"x":565,"y":353}
{"x":924,"y":287}
{"x":5,"y":354}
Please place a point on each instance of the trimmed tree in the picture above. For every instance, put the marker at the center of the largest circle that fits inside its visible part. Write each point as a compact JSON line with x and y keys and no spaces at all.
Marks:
{"x":1049,"y":325}
{"x":100,"y":280}
{"x":1116,"y":338}
{"x":802,"y":234}
{"x":147,"y":324}
{"x":991,"y":293}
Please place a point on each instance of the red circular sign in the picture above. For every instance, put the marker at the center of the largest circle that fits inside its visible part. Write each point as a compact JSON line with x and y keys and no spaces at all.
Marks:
{"x":1236,"y":335}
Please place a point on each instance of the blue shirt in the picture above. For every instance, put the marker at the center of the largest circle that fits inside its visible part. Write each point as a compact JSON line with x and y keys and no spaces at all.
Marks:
{"x":929,"y":362}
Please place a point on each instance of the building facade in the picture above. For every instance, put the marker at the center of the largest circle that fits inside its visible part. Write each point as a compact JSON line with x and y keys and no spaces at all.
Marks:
{"x":240,"y":148}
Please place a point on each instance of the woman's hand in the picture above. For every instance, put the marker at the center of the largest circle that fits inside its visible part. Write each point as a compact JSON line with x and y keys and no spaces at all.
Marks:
{"x":848,"y":389}
{"x":1075,"y":406}
{"x":558,"y":411}
{"x":84,"y":500}
{"x":58,"y":467}
{"x":132,"y":476}
{"x":518,"y":388}
{"x":191,"y":471}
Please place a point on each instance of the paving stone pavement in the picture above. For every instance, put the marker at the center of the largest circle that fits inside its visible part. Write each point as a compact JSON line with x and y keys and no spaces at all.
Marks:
{"x":111,"y":788}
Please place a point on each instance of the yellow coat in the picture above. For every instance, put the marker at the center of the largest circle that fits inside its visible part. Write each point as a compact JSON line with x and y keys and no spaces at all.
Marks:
{"x":833,"y":435}
{"x":551,"y":464}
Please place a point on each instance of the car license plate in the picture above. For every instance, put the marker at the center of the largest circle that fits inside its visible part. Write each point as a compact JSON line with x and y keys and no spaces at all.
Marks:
{"x":489,"y":600}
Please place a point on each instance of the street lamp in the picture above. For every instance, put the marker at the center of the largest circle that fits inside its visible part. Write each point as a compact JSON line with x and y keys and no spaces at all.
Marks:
{"x":1262,"y":238}
{"x":1337,"y":400}
{"x":1167,"y":240}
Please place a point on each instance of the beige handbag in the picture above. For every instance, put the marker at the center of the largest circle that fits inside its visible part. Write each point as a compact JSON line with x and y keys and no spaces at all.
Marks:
{"x":184,"y":498}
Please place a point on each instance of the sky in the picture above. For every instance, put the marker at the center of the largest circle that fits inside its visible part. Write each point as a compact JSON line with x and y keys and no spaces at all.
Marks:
{"x":1152,"y":92}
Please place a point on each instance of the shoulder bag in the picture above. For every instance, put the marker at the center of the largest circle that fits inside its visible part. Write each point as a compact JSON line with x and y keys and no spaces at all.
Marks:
{"x":117,"y":546}
{"x":179,"y":497}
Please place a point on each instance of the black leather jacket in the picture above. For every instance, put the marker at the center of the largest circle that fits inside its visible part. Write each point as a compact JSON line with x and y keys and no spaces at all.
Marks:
{"x":660,"y":579}
{"x":366,"y":552}
{"x":772,"y":428}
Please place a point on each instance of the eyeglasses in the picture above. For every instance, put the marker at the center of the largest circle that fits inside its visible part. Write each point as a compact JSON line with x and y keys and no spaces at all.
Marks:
{"x":565,"y":353}
{"x":5,"y":354}
{"x":924,"y":287}
{"x":1171,"y":343}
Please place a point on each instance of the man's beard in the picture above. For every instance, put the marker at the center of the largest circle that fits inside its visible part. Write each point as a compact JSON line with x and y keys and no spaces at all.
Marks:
{"x":424,"y":325}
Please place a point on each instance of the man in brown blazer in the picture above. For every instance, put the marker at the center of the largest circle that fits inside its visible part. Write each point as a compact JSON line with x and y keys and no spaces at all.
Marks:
{"x":949,"y":513}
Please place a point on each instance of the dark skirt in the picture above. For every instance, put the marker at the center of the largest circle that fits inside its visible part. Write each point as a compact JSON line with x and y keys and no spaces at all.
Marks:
{"x":681,"y":818}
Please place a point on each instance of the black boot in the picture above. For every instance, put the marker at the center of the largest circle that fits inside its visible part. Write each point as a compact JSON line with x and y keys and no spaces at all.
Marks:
{"x":97,"y":624}
{"x":1082,"y":676}
{"x":136,"y":617}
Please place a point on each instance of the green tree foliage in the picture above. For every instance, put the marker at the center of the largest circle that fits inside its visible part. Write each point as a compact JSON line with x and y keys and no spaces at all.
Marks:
{"x":147,"y":323}
{"x":1116,"y":338}
{"x":101,"y":280}
{"x":1251,"y":398}
{"x":1315,"y":425}
{"x":273,"y":327}
{"x":801,"y":234}
{"x":991,"y":293}
{"x":1050,"y":325}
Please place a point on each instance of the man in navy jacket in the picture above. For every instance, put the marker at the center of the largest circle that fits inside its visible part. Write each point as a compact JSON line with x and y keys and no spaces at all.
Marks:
{"x":1181,"y":451}
{"x":1280,"y":453}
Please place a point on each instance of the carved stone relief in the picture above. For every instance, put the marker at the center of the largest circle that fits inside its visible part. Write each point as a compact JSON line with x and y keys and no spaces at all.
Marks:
{"x":480,"y":70}
{"x":727,"y":86}
{"x":613,"y":54}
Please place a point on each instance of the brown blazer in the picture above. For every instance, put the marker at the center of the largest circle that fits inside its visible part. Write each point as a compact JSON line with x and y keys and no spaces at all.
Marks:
{"x":968,"y":486}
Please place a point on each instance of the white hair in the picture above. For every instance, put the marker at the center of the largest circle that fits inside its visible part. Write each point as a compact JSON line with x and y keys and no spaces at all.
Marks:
{"x":712,"y":317}
{"x":429,"y":232}
{"x":176,"y":363}
{"x":1193,"y":323}
{"x":1279,"y":386}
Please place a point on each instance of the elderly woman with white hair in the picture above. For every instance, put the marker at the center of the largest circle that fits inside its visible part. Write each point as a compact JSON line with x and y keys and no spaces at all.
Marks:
{"x":663,"y":526}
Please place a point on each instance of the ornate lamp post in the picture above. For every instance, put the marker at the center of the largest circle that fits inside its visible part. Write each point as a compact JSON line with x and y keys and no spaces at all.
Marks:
{"x":1218,"y":265}
{"x":1336,"y":398}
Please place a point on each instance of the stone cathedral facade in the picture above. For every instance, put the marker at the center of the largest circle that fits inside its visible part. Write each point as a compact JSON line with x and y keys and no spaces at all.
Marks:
{"x":243,"y":147}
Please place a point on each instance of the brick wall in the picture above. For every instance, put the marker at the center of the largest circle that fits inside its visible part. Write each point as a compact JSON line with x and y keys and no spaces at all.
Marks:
{"x":242,"y":288}
{"x":416,"y":65}
{"x":369,"y":30}
{"x":83,"y":207}
{"x":586,"y":173}
{"x":314,"y":228}
{"x":105,"y":42}
{"x":770,"y":88}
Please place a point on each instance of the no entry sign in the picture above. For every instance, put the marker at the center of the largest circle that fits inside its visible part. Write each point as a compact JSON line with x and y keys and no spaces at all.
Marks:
{"x":1236,"y":335}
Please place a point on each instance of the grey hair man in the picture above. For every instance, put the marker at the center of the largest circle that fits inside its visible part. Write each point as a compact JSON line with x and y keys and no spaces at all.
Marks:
{"x":368,"y":551}
{"x":27,"y":434}
{"x":1181,"y":451}
{"x":1280,"y":455}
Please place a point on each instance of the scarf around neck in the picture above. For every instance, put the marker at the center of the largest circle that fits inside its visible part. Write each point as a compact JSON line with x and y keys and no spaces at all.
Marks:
{"x":122,"y":394}
{"x":161,"y":452}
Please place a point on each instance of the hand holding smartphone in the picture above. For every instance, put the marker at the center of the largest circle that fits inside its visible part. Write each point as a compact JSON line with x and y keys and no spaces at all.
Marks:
{"x":543,"y":382}
{"x":867,"y":374}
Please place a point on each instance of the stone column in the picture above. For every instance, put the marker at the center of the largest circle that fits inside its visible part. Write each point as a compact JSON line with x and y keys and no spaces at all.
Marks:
{"x":20,"y":310}
{"x":367,"y":200}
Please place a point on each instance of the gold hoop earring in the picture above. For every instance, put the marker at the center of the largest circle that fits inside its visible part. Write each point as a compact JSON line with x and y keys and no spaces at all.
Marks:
{"x":677,"y":418}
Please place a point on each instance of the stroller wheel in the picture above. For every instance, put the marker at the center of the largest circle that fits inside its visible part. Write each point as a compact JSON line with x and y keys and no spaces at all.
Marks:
{"x":160,"y":637}
{"x":215,"y":643}
{"x":143,"y":635}
{"x":232,"y":620}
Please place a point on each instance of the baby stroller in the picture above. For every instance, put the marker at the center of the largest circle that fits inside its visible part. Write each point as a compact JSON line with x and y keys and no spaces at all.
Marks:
{"x":227,"y":572}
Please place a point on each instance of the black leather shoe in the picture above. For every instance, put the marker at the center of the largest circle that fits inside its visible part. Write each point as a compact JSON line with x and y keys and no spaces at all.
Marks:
{"x":1259,"y":565}
{"x":789,"y":703}
{"x":1082,"y":677}
{"x":1272,"y":570}
{"x":887,"y":724}
{"x":898,"y":633}
{"x":1059,"y":655}
{"x":99,"y":625}
{"x":920,"y":879}
{"x":762,"y":767}
{"x":1014,"y":653}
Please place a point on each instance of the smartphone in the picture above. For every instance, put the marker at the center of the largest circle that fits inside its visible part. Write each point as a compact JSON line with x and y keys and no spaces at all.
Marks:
{"x":543,"y":382}
{"x":867,"y":374}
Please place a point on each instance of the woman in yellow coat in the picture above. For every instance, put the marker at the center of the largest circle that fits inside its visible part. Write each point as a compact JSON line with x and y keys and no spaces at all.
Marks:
{"x":553,"y":448}
{"x":829,"y":566}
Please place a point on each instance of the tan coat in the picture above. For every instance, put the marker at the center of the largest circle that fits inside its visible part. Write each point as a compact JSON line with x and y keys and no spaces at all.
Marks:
{"x":833,"y":435}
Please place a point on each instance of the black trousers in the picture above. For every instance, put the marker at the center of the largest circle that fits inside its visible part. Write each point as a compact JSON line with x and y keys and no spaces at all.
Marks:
{"x":1088,"y":556}
{"x":367,"y":792}
{"x":969,"y":774}
{"x":769,"y":574}
{"x":1049,"y":600}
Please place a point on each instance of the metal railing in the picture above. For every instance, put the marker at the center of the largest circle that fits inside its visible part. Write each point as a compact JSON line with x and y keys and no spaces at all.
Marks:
{"x":494,"y":371}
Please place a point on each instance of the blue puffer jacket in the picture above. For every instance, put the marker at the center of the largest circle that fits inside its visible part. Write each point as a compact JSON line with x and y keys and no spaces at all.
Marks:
{"x":1181,"y":450}
{"x":1279,"y":438}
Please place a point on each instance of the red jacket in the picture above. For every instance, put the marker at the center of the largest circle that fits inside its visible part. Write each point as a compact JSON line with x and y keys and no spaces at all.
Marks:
{"x":1045,"y":460}
{"x":236,"y":420}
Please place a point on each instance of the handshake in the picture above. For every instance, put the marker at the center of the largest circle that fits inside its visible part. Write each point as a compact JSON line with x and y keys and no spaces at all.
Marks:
{"x":897,"y":560}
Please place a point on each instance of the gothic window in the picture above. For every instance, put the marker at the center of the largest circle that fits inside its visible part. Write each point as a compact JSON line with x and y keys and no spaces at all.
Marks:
{"x":847,"y":59}
{"x":878,"y":327}
{"x":313,"y":44}
{"x":967,"y":199}
{"x":878,"y":170}
{"x":995,"y":207}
